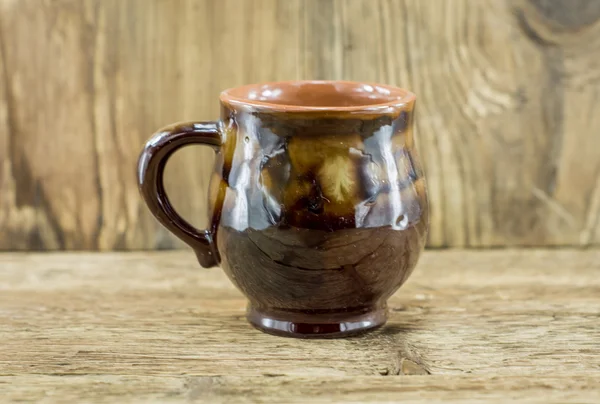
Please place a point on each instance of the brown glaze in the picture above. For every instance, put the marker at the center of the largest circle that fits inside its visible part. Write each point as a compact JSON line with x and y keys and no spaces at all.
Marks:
{"x":151,"y":166}
{"x":318,"y":202}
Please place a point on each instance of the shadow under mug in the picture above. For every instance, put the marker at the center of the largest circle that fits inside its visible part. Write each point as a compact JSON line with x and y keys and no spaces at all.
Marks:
{"x":318,"y":204}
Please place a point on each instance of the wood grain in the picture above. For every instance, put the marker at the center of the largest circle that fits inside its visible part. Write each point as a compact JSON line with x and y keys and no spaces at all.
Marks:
{"x":507,"y":99}
{"x":153,"y":327}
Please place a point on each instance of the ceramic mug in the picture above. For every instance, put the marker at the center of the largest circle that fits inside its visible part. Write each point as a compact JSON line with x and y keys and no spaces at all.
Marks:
{"x":318,"y":203}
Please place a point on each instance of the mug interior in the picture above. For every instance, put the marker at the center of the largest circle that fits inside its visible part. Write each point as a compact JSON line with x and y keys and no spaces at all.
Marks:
{"x":318,"y":95}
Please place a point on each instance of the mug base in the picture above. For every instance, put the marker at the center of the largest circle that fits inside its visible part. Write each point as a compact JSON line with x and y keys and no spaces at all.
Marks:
{"x":317,"y":324}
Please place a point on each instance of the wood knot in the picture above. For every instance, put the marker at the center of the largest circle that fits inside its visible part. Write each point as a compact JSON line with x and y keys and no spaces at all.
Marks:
{"x":552,"y":23}
{"x":570,"y":14}
{"x":410,"y":368}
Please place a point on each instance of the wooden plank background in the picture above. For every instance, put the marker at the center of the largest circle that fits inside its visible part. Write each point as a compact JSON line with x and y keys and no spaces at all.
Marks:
{"x":508,"y":107}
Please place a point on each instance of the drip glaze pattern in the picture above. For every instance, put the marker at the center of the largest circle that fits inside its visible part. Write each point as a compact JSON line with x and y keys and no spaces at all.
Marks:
{"x":318,"y":203}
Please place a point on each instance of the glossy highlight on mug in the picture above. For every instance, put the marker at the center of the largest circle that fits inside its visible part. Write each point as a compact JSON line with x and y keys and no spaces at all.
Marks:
{"x":313,"y":324}
{"x":318,"y":202}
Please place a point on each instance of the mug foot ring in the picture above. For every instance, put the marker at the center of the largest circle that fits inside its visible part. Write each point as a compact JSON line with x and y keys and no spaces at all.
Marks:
{"x":316,"y":324}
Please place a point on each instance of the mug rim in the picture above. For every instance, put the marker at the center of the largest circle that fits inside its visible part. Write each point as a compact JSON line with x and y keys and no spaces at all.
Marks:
{"x":396,"y":97}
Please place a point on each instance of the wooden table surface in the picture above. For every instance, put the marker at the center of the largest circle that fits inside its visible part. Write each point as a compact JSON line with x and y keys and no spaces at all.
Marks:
{"x":154,"y":327}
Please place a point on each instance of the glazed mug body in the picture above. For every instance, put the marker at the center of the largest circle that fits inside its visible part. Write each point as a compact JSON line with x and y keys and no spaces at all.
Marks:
{"x":318,"y":202}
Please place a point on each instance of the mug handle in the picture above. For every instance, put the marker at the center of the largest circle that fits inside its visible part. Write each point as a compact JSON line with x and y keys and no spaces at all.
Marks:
{"x":151,"y":166}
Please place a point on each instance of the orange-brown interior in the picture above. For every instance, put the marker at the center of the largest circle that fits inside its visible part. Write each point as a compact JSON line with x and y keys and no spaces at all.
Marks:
{"x":317,"y":94}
